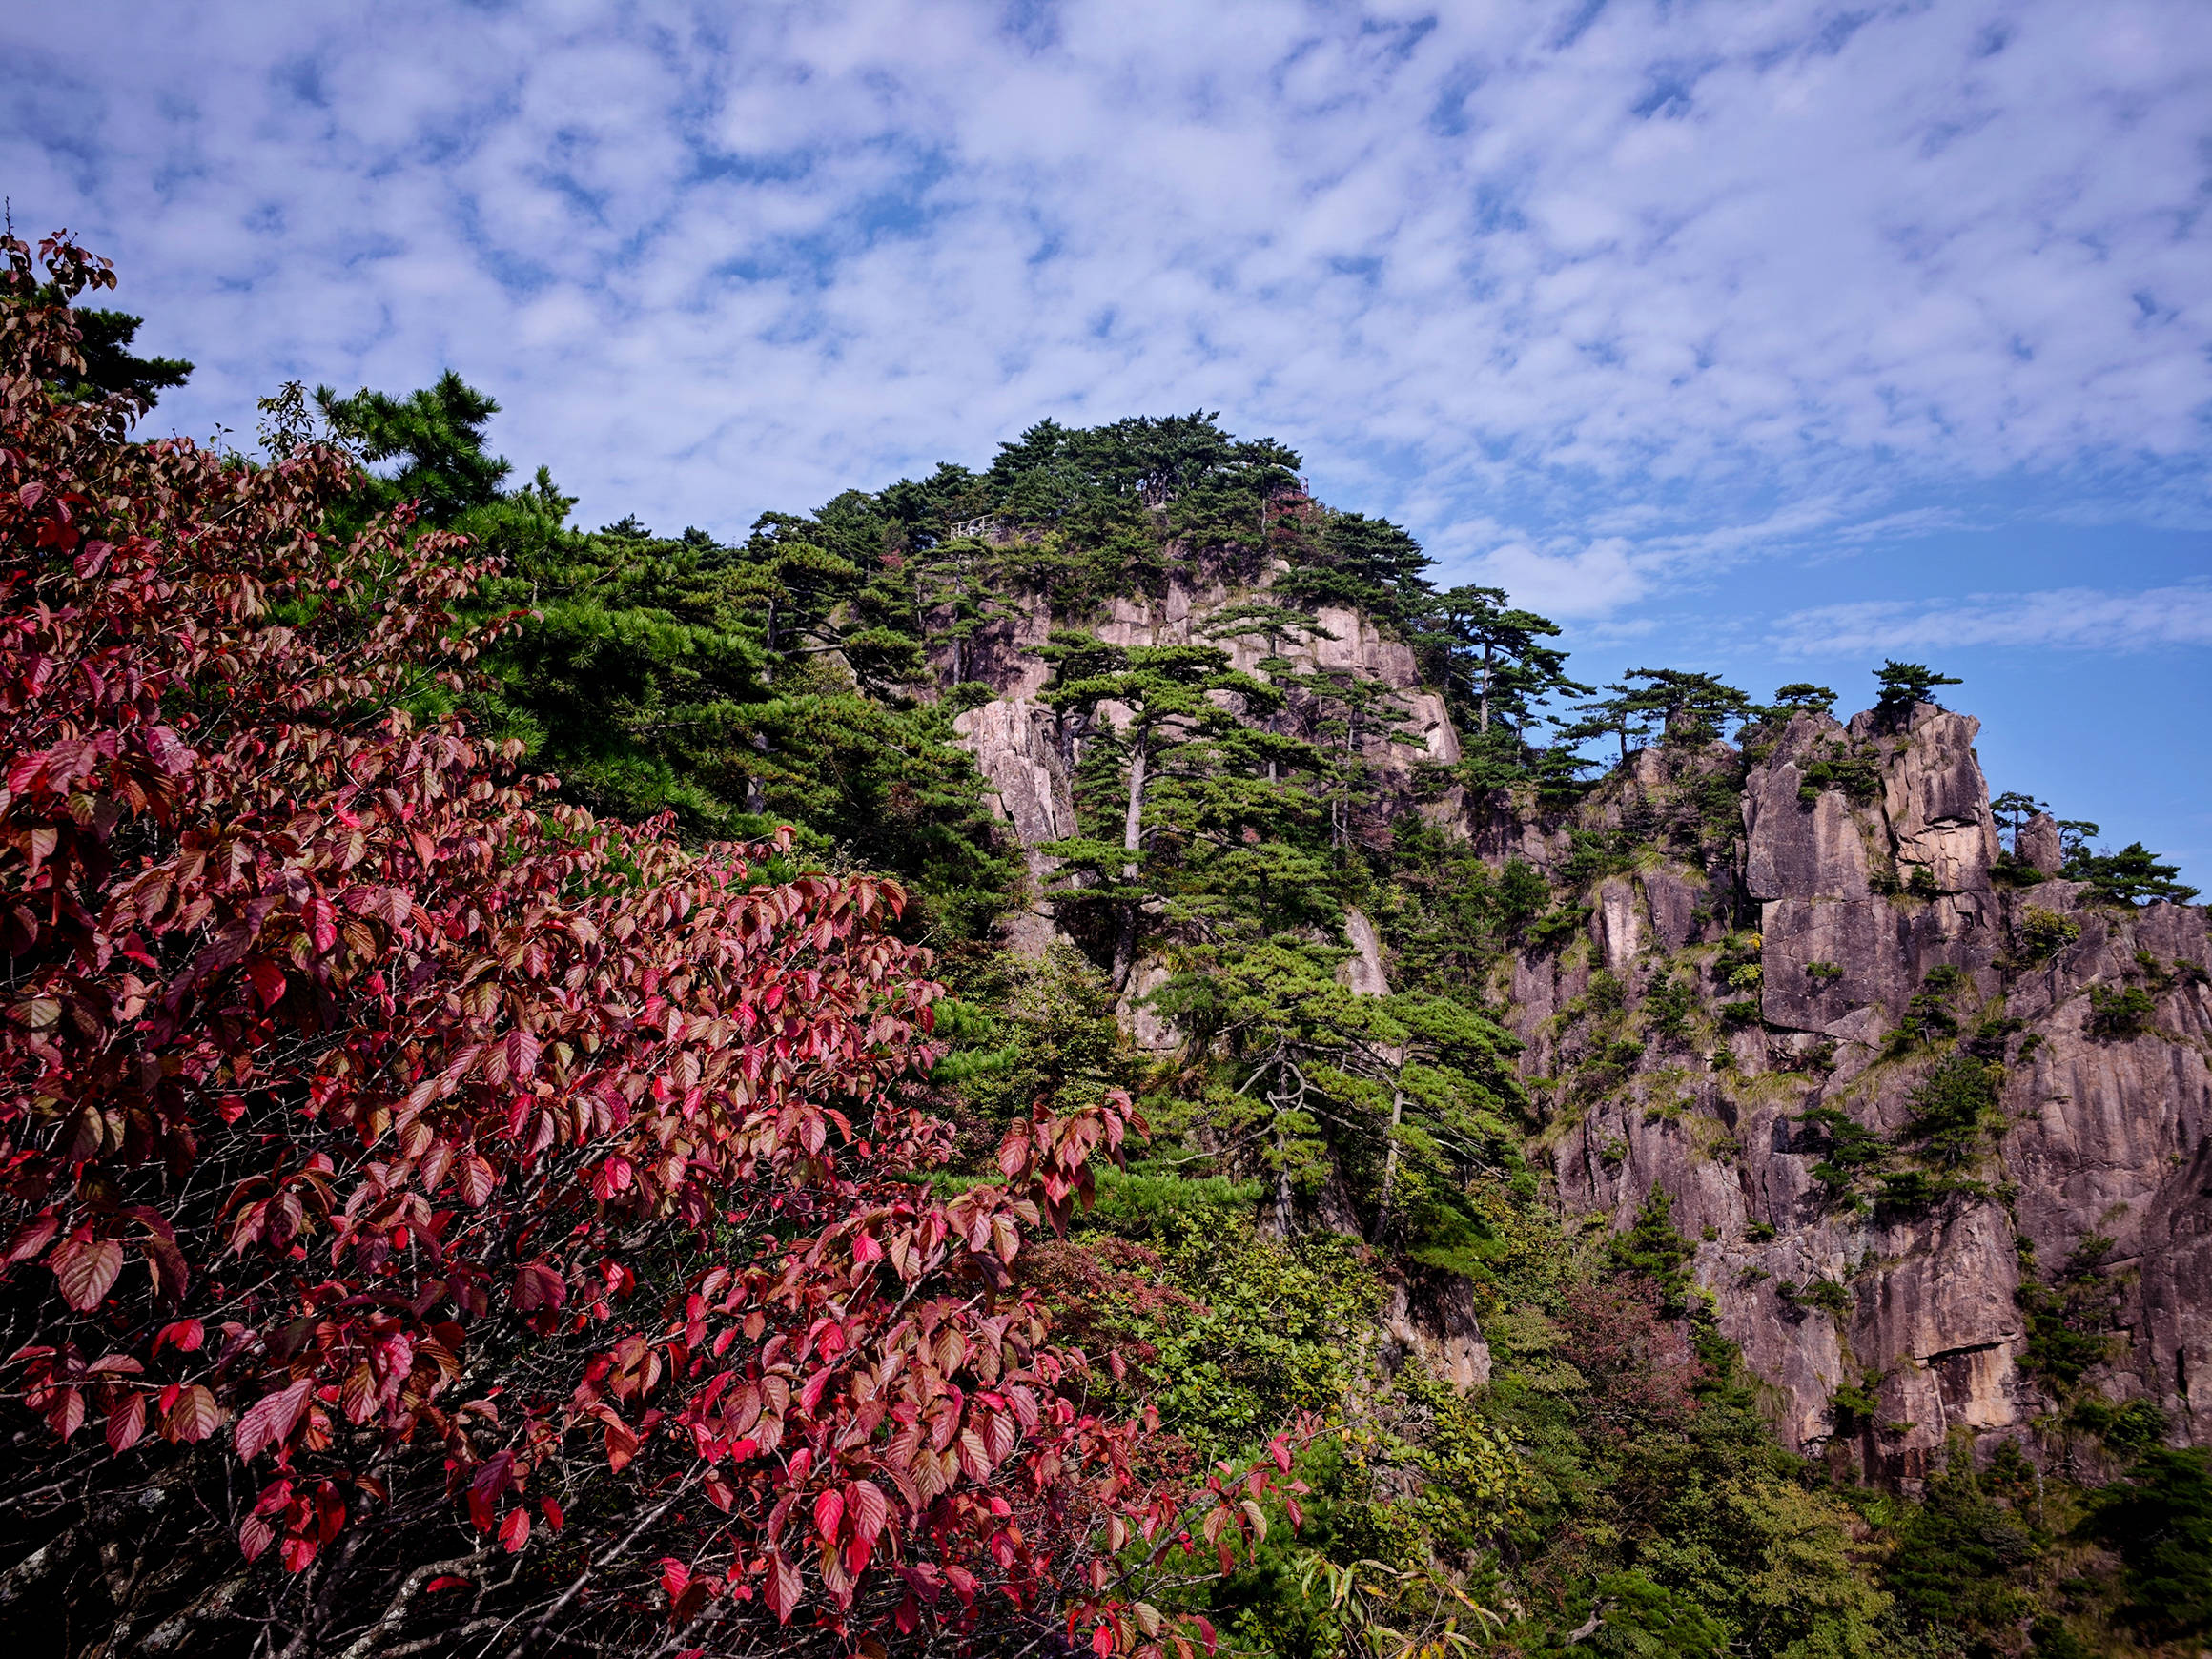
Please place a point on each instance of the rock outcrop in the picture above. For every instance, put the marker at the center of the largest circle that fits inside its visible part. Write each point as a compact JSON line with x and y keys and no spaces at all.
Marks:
{"x":1026,"y":751}
{"x":1840,"y":919}
{"x":1017,"y":746}
{"x":1869,"y":875}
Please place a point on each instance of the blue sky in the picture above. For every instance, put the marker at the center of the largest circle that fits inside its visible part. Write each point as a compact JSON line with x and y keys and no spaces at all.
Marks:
{"x":1769,"y":338}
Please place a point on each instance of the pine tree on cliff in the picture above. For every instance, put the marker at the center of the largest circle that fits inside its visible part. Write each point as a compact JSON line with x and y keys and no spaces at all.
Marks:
{"x":1360,"y":563}
{"x":1690,"y":708}
{"x":1478,"y":645}
{"x":1139,"y":708}
{"x":2133,"y":876}
{"x":1274,"y":626}
{"x":1798,"y":697}
{"x":959,"y":587}
{"x":2011,"y":812}
{"x":1677,"y":705}
{"x":1405,"y":1095}
{"x":1904,"y":687}
{"x":1350,"y":710}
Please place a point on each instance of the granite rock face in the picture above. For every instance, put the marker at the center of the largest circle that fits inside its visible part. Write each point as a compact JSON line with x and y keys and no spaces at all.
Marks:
{"x":1027,"y":751}
{"x":1868,"y":873}
{"x":1017,"y":746}
{"x":1803,"y":902}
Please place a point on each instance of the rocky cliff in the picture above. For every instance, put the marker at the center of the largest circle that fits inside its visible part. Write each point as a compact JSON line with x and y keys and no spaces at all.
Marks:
{"x":1909,"y":1095}
{"x":1885,"y":944}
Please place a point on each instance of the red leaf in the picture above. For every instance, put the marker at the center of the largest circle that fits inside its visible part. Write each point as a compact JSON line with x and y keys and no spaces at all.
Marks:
{"x":477,"y":1178}
{"x":621,"y":1445}
{"x":186,"y":1335}
{"x":869,"y":1510}
{"x":445,"y":1581}
{"x":268,"y":980}
{"x":784,"y":1588}
{"x":85,"y":1269}
{"x":31,"y":1239}
{"x":254,"y":1536}
{"x":195,"y":1416}
{"x":829,"y":1513}
{"x":515,"y":1531}
{"x":537,"y":1285}
{"x":126,"y":1422}
{"x":270,"y":1420}
{"x":66,"y":1415}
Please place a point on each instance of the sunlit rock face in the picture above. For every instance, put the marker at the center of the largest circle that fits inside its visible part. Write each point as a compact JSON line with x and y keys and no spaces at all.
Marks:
{"x":1867,"y":860}
{"x":2101,"y":1136}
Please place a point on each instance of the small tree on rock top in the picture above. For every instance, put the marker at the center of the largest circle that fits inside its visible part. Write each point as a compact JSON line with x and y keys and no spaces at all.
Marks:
{"x":1904,"y":687}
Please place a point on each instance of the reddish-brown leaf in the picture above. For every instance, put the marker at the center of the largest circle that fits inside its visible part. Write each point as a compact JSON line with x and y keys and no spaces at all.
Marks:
{"x":86,"y":1269}
{"x":270,"y":1420}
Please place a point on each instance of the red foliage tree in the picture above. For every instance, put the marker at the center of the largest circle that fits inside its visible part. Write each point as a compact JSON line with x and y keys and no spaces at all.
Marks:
{"x":433,"y":1217}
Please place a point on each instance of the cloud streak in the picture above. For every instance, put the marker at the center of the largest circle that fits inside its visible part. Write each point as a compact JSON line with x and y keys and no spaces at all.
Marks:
{"x":2073,"y":619}
{"x":1594,"y":298}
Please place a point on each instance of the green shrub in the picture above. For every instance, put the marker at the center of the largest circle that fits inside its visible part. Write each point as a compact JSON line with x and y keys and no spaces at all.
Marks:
{"x":1848,"y":1149}
{"x":2043,"y":934}
{"x":970,"y":694}
{"x":2070,"y":1317}
{"x":1829,"y":1297}
{"x":1856,"y":1407}
{"x":1913,"y":1191}
{"x":1654,"y":1250}
{"x":1929,"y":1015}
{"x":1668,"y":1006}
{"x":1856,"y":776}
{"x":1594,"y":855}
{"x":1823,"y":1293}
{"x":2117,"y":1016}
{"x":2161,"y":1525}
{"x":2130,"y":1429}
{"x":1523,"y":892}
{"x":1956,"y":1559}
{"x":1555,"y":929}
{"x":1952,"y":1112}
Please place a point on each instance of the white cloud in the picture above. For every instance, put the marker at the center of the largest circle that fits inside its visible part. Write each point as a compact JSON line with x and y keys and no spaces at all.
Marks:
{"x":1569,"y":301}
{"x":2065,"y":619}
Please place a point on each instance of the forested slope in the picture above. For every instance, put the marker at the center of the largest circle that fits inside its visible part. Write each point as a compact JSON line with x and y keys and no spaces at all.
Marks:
{"x":1722,"y":1197}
